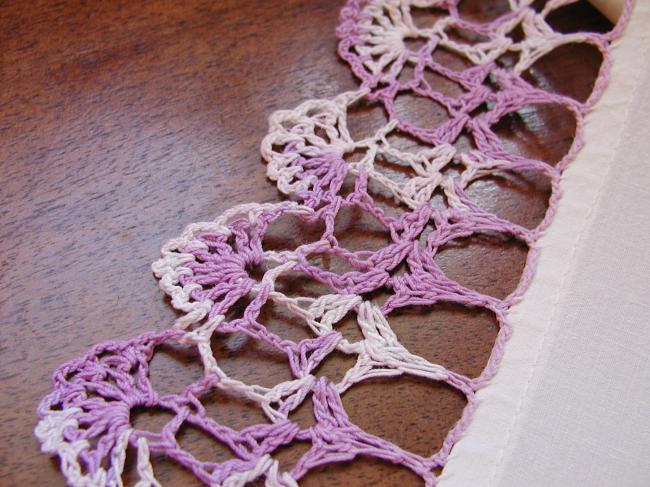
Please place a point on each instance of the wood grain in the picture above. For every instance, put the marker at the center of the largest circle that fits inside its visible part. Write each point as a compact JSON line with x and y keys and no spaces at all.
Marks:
{"x":124,"y":121}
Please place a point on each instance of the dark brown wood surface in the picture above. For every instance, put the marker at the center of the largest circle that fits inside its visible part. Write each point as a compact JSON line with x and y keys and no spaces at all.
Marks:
{"x":121,"y":122}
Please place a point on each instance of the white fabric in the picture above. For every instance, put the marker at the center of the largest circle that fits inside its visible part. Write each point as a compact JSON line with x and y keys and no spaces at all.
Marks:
{"x":570,"y":405}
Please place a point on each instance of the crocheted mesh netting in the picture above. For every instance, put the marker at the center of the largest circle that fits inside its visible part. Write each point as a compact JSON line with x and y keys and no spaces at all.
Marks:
{"x":206,"y":271}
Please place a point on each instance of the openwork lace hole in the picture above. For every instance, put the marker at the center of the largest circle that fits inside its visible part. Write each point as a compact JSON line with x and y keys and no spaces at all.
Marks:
{"x":471,"y":262}
{"x":465,"y":142}
{"x":201,"y":445}
{"x":356,"y":230}
{"x":335,"y":365}
{"x":374,"y":471}
{"x":424,"y":18}
{"x":406,"y":76}
{"x":521,"y":197}
{"x":559,"y":70}
{"x":230,"y":409}
{"x":349,"y":328}
{"x":379,"y":296}
{"x":280,"y":321}
{"x":151,"y":420}
{"x":419,"y":111}
{"x":393,"y":170}
{"x":299,"y":284}
{"x":332,"y":263}
{"x":526,"y":132}
{"x":406,"y":142}
{"x":165,"y":469}
{"x":419,"y":409}
{"x":364,"y":118}
{"x":580,"y":16}
{"x":289,"y":455}
{"x":460,"y":338}
{"x":303,"y":415}
{"x":481,"y":11}
{"x":290,"y":231}
{"x":450,"y":60}
{"x":414,"y":44}
{"x":254,"y":362}
{"x":517,"y":34}
{"x":465,"y":36}
{"x":441,"y":84}
{"x":173,"y":367}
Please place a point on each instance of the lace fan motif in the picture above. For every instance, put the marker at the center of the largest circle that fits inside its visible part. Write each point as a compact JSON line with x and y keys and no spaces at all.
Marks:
{"x":214,"y":270}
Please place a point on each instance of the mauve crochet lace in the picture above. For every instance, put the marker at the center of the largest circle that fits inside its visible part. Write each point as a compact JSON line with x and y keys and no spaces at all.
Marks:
{"x":206,"y":271}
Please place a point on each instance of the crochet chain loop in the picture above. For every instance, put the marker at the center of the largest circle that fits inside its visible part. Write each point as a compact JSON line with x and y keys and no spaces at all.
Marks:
{"x":207,"y":270}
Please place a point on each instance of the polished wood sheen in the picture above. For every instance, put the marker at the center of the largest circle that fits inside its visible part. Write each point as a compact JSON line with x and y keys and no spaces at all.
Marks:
{"x":122,"y":122}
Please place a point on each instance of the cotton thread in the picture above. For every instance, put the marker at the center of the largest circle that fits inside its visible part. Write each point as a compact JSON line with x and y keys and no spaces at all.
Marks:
{"x":206,"y":271}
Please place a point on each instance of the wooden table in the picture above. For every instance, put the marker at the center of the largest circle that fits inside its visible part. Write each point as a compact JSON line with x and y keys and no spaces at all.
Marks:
{"x":124,"y":121}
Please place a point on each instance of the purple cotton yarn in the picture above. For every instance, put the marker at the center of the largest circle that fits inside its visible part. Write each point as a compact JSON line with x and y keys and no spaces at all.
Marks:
{"x":86,"y":419}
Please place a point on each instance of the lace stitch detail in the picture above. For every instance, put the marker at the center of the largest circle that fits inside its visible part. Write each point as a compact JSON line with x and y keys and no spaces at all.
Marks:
{"x":206,"y":271}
